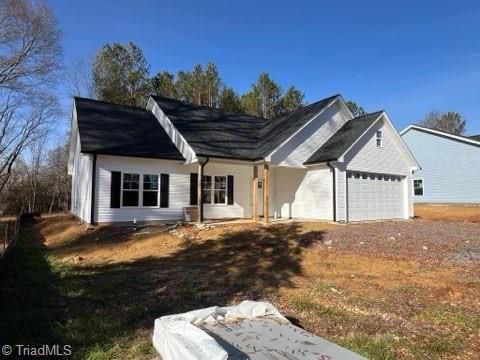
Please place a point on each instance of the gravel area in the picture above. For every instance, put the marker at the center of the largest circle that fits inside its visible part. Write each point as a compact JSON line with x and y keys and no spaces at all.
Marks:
{"x":430,"y":241}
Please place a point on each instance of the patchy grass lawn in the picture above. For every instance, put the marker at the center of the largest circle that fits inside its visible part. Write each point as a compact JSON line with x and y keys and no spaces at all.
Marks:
{"x":451,"y":212}
{"x":375,"y":290}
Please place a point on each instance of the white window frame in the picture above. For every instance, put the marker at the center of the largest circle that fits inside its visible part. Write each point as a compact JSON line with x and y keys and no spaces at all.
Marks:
{"x":379,"y":137}
{"x":423,"y":186}
{"x":213,"y":190}
{"x":158,"y":191}
{"x":138,"y":190}
{"x":210,"y":190}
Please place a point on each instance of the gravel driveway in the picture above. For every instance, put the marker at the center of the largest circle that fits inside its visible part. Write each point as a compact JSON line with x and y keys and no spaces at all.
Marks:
{"x":430,"y":241}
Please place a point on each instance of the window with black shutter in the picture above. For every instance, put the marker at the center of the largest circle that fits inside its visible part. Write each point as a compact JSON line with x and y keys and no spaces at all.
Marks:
{"x":131,"y":189}
{"x":150,"y":190}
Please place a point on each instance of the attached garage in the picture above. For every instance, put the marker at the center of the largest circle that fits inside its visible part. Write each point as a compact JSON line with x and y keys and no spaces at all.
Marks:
{"x":375,"y":196}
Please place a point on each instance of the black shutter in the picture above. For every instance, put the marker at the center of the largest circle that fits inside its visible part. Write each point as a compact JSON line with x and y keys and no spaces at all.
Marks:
{"x":230,"y":190}
{"x":193,"y":188}
{"x":115,"y":186}
{"x":164,"y":186}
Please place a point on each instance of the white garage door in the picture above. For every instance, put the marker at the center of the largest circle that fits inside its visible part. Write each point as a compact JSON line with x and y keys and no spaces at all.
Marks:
{"x":375,"y":196}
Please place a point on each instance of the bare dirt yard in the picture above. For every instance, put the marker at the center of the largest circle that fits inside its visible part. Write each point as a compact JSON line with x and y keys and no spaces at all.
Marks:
{"x":388,"y":290}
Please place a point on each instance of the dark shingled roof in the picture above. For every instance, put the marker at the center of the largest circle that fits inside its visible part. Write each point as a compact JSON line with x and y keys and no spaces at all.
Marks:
{"x":216,"y":133}
{"x":112,"y":129}
{"x":343,"y":139}
{"x":279,"y":129}
{"x":212,"y":132}
{"x":475,"y":137}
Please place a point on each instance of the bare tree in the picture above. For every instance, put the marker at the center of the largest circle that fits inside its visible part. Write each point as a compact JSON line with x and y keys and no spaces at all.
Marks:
{"x":451,"y":122}
{"x":58,"y":181}
{"x":39,"y":182}
{"x":79,"y":77}
{"x":30,"y":61}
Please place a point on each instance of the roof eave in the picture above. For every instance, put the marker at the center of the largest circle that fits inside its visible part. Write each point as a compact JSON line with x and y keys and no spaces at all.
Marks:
{"x":310,"y":163}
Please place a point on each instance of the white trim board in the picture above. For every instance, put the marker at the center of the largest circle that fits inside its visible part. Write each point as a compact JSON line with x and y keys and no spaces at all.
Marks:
{"x":177,"y":138}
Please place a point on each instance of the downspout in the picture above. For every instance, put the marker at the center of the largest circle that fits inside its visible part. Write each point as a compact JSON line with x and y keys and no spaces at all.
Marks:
{"x":334,"y":192}
{"x":92,"y":202}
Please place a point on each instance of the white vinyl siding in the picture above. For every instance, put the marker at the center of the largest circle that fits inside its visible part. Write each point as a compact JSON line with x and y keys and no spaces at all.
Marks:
{"x":179,"y":189}
{"x":300,"y":193}
{"x":450,"y":168}
{"x":366,"y":157}
{"x":300,"y":147}
{"x":81,"y":183}
{"x":341,"y":179}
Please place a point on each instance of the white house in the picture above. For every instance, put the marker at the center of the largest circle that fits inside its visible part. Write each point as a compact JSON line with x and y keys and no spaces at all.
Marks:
{"x":450,"y":164}
{"x":318,"y":162}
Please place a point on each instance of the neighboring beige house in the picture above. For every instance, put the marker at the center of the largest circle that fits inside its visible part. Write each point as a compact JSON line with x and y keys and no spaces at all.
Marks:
{"x":318,"y":162}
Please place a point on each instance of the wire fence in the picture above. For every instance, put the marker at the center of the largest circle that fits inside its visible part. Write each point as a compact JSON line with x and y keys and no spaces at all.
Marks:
{"x":8,"y":233}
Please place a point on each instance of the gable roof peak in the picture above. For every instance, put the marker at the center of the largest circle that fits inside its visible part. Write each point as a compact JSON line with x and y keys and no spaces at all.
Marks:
{"x":216,"y":133}
{"x":343,"y":139}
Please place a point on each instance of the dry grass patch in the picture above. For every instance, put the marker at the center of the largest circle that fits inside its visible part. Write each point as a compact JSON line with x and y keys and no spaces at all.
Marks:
{"x":470,"y":213}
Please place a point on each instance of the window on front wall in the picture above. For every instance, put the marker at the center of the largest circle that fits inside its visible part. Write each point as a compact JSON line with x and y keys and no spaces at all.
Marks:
{"x":207,"y":189}
{"x":418,"y":187}
{"x":130,"y":189}
{"x":150,"y":190}
{"x":220,"y":190}
{"x":214,"y":189}
{"x":378,"y":138}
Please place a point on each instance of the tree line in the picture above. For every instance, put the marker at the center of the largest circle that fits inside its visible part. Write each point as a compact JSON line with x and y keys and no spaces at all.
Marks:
{"x":120,"y":74}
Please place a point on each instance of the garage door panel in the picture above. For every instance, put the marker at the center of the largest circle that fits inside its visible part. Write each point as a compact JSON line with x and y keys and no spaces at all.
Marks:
{"x":374,"y":196}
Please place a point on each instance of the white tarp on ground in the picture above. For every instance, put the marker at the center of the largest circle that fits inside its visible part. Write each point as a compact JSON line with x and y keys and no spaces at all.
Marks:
{"x":250,"y":330}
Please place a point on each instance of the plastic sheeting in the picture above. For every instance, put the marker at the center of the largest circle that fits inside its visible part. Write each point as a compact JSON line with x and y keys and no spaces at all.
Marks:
{"x":250,"y":330}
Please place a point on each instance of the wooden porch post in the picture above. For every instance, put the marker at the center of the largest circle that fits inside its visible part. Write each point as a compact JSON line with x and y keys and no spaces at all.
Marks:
{"x":255,"y":194}
{"x":266,"y":192}
{"x":200,"y":192}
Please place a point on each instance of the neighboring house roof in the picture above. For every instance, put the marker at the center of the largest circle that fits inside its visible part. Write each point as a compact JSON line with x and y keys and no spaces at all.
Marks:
{"x":475,"y":137}
{"x":112,"y":129}
{"x":473,"y":140}
{"x":343,"y":139}
{"x":216,"y":133}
